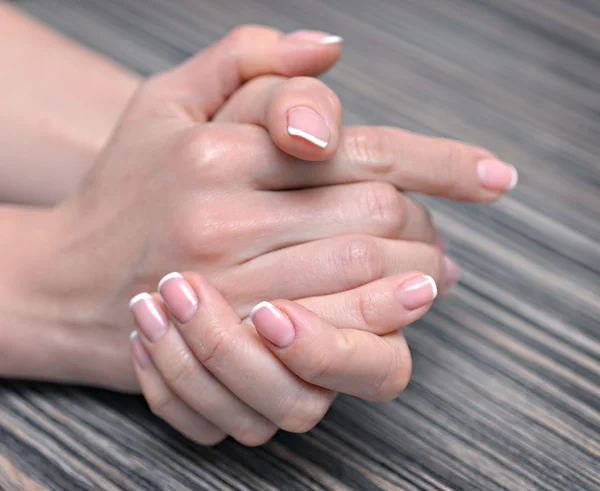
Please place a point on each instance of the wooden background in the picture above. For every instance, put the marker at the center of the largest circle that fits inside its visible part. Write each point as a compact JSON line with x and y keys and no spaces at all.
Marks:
{"x":506,"y":387}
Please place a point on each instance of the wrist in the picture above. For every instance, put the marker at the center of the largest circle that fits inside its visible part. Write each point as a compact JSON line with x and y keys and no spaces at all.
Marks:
{"x":29,"y":332}
{"x":50,"y":328}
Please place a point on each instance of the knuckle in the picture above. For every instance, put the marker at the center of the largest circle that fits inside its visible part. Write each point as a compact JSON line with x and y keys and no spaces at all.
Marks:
{"x":305,"y":413}
{"x":369,"y":306}
{"x":359,"y":261}
{"x":318,"y":368}
{"x":383,"y":205}
{"x":249,"y":435}
{"x":204,"y":147}
{"x":181,"y":372}
{"x":372,"y":149}
{"x":216,"y":346}
{"x":201,"y":232}
{"x":395,"y":378}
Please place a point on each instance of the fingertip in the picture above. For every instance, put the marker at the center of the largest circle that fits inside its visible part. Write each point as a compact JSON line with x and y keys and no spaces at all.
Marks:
{"x":304,"y":119}
{"x":179,"y":296}
{"x":273,"y":324}
{"x":305,"y":134}
{"x":310,"y":52}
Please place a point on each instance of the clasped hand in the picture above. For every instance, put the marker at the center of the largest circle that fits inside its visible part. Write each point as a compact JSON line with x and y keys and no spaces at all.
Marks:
{"x":235,"y":165}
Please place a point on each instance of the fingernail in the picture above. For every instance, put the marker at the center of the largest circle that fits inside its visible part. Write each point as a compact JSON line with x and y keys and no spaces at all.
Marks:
{"x":179,"y":296}
{"x":495,"y":175}
{"x":139,"y":351}
{"x":306,"y":123}
{"x":451,"y":271}
{"x":273,"y":324}
{"x":151,"y":320}
{"x":417,"y":292}
{"x":315,"y":36}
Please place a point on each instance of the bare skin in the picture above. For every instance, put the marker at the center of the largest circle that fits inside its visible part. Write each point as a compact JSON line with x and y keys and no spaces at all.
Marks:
{"x":204,"y":173}
{"x":60,"y":102}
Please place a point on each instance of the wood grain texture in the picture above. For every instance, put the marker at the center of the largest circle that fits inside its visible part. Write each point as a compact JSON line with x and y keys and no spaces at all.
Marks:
{"x":506,"y":385}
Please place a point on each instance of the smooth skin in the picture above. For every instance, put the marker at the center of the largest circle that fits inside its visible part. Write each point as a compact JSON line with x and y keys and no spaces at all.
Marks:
{"x":210,"y":375}
{"x":195,"y":179}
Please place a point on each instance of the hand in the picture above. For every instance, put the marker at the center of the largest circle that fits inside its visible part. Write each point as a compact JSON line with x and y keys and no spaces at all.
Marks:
{"x":172,"y":191}
{"x":209,"y":374}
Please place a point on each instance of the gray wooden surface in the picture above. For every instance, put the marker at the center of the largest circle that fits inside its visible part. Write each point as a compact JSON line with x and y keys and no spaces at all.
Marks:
{"x":506,"y":386}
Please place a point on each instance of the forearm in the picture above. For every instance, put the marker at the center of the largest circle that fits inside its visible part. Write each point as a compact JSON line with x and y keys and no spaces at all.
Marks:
{"x":60,"y":103}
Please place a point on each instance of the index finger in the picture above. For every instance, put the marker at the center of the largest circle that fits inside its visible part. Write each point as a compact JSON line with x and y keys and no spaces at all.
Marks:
{"x":411,"y":162}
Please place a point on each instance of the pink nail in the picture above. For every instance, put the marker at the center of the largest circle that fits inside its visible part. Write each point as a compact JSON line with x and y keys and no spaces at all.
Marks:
{"x":496,"y":175}
{"x":179,"y":296}
{"x":417,"y":292}
{"x":315,"y":36}
{"x":152,"y":320}
{"x":308,"y":124}
{"x":451,"y":271}
{"x":139,"y":351}
{"x":273,"y":324}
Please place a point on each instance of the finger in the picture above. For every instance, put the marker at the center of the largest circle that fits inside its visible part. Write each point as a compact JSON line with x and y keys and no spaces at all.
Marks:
{"x":189,"y":380}
{"x":411,"y":162}
{"x":205,"y":81}
{"x":343,"y":360}
{"x":379,"y":307}
{"x":302,"y":114}
{"x":165,"y":404}
{"x":371,"y":208}
{"x":330,"y":266}
{"x":235,"y":355}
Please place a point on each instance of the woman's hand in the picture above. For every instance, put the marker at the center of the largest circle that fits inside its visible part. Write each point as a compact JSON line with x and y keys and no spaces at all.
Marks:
{"x":175,"y":191}
{"x":210,"y":375}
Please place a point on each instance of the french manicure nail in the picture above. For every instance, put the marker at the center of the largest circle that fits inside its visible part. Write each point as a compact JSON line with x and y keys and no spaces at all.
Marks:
{"x":139,"y":351}
{"x":315,"y":36}
{"x":417,"y":292}
{"x":151,"y":320}
{"x":273,"y":324}
{"x":179,"y":296}
{"x":308,"y":124}
{"x":495,"y":175}
{"x":451,"y":271}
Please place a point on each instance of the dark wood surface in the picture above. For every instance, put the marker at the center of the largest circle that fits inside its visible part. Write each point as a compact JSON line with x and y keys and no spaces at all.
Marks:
{"x":506,"y":386}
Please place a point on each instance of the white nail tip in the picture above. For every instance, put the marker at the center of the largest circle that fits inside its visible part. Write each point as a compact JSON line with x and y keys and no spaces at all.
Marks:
{"x":139,"y":297}
{"x":133,"y":335}
{"x":331,"y":40}
{"x":168,"y":277}
{"x":434,"y":287}
{"x":261,"y":305}
{"x":515,"y":178}
{"x":307,"y":136}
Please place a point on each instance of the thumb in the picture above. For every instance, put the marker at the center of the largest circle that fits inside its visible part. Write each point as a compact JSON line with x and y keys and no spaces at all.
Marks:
{"x":204,"y":82}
